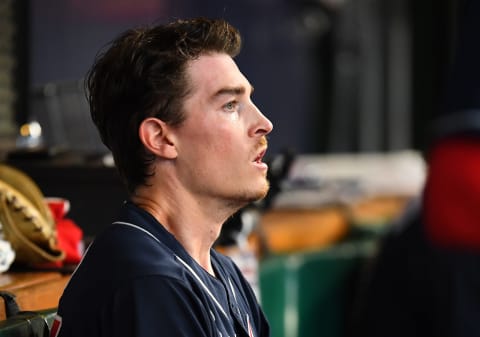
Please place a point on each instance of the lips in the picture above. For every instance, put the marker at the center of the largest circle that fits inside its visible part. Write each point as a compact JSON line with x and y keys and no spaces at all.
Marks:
{"x":259,"y":157}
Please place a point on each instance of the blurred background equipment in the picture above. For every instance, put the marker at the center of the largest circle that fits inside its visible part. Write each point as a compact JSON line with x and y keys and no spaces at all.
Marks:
{"x":26,"y":221}
{"x":62,"y":111}
{"x":13,"y":71}
{"x":426,"y":277}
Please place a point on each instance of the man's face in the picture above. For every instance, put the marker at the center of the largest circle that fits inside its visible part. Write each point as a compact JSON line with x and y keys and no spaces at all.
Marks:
{"x":222,"y":141}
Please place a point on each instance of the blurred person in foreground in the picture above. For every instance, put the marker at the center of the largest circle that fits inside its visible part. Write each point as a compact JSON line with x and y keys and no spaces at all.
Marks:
{"x":176,"y":112}
{"x":426,"y":280}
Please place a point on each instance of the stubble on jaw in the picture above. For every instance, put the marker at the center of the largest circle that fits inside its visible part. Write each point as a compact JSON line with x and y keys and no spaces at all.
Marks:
{"x":248,"y":197}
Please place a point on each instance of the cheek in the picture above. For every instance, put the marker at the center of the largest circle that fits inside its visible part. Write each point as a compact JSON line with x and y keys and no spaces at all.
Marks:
{"x":220,"y":139}
{"x":227,"y":144}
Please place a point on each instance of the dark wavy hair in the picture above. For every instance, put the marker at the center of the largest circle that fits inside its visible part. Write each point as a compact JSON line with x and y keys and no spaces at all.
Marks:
{"x":141,"y":74}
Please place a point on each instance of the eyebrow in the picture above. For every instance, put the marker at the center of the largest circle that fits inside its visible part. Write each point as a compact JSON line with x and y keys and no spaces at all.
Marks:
{"x":232,"y":91}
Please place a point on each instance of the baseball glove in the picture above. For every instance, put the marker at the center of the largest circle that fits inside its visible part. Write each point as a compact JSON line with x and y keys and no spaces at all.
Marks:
{"x":26,"y":220}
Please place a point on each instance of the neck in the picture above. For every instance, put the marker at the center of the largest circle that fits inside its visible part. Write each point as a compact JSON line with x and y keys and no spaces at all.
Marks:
{"x":195,"y":225}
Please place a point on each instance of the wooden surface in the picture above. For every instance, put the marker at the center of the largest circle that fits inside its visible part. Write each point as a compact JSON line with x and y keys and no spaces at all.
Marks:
{"x":33,"y":290}
{"x":290,"y":230}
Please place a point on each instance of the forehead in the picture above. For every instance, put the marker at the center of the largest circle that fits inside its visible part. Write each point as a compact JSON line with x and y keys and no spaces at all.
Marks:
{"x":213,"y":72}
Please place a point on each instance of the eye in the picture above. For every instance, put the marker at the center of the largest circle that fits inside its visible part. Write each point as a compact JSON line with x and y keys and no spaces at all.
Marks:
{"x":231,"y":106}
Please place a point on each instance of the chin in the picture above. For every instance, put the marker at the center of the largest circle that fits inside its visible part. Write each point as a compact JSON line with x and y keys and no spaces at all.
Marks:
{"x":260,"y":193}
{"x":248,"y":196}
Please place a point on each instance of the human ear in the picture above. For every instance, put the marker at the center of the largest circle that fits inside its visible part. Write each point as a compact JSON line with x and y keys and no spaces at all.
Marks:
{"x":155,"y":136}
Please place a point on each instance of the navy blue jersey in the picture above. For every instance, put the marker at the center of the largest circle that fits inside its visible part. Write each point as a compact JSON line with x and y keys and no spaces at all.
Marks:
{"x":137,"y":280}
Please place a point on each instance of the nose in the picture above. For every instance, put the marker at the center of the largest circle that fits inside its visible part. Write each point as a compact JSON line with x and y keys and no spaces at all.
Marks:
{"x":262,"y":126}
